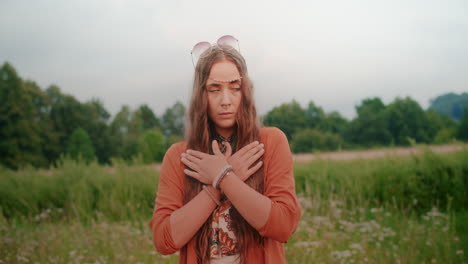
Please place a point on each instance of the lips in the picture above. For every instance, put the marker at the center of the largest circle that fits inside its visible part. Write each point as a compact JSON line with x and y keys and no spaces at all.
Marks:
{"x":226,"y":115}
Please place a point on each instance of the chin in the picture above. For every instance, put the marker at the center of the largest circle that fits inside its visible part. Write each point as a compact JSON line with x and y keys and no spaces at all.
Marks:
{"x":226,"y":124}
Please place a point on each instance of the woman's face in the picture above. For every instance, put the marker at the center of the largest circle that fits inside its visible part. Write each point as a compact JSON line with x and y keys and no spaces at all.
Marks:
{"x":224,"y":96}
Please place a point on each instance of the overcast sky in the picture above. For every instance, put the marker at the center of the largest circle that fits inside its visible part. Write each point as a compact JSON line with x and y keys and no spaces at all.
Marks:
{"x":335,"y":53}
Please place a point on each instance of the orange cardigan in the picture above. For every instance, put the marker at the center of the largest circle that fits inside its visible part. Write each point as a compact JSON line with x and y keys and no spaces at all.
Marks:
{"x":279,"y":187}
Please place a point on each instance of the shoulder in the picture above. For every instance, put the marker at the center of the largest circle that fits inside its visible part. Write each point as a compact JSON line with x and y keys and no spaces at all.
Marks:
{"x":176,"y":149}
{"x":274,"y":140}
{"x":270,"y":133}
{"x":171,"y":172}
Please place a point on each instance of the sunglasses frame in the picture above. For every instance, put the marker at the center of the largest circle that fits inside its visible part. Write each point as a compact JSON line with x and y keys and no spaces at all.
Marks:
{"x":210,"y":46}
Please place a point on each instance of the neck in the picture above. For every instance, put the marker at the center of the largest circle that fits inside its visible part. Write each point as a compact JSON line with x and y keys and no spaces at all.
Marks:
{"x":225,"y":132}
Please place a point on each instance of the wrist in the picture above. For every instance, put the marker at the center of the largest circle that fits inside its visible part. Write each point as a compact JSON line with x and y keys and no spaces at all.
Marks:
{"x":215,"y":192}
{"x":213,"y":195}
{"x":227,"y":180}
{"x":224,"y":171}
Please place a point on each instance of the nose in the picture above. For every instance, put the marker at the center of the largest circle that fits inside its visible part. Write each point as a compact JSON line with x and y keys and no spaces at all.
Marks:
{"x":226,"y":98}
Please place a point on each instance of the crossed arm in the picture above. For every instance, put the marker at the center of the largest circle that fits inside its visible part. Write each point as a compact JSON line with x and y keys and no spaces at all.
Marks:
{"x":253,"y":206}
{"x":274,"y":214}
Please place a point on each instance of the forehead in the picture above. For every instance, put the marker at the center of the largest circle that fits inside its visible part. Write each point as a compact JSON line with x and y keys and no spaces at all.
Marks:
{"x":223,"y":72}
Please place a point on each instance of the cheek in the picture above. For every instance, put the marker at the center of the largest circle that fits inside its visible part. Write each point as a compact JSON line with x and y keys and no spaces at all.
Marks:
{"x":238,"y":101}
{"x":211,"y":106}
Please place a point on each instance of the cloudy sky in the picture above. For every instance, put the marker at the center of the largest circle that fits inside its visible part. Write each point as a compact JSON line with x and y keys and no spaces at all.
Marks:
{"x":335,"y":53}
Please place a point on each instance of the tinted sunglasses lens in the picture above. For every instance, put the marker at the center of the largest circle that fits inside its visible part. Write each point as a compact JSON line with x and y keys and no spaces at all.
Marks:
{"x":228,"y":41}
{"x":200,"y":50}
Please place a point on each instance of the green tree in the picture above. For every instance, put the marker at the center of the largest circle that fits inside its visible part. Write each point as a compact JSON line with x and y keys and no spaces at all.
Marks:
{"x":20,"y":138}
{"x":173,"y":120}
{"x":96,"y":124}
{"x":66,"y":114}
{"x":442,"y":127}
{"x":314,"y":115}
{"x":370,"y":126}
{"x":80,"y":146}
{"x":463,"y":128}
{"x":334,"y":123}
{"x":150,"y":120}
{"x":450,"y":104}
{"x":126,"y":129}
{"x":309,"y":140}
{"x":41,"y":118}
{"x":408,"y":121}
{"x":288,"y":117}
{"x":152,"y":146}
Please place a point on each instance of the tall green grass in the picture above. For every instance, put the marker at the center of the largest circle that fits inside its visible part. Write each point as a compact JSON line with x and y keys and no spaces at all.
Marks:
{"x":121,"y":192}
{"x":392,"y":210}
{"x":412,"y":183}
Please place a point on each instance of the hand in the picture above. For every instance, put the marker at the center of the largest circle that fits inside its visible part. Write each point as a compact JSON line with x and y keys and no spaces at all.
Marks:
{"x":206,"y":167}
{"x":244,"y":158}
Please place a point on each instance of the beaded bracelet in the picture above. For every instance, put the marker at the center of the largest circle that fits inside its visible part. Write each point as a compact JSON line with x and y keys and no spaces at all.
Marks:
{"x":221,"y":179}
{"x":223,"y":173}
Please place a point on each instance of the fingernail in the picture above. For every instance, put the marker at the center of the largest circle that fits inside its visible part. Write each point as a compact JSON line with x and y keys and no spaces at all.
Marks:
{"x":256,"y":142}
{"x":262,"y":145}
{"x":189,"y":151}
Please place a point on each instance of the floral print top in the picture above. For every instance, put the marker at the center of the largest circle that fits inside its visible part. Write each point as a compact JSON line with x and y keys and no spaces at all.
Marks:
{"x":223,"y":240}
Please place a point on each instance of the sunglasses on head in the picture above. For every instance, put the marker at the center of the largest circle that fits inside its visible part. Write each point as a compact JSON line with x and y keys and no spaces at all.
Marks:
{"x":204,"y":48}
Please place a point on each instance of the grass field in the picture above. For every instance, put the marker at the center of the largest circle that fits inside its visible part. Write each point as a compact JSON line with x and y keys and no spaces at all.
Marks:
{"x":391,"y":210}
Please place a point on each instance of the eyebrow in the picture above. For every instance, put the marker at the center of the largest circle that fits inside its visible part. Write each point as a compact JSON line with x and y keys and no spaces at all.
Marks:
{"x":219,"y":85}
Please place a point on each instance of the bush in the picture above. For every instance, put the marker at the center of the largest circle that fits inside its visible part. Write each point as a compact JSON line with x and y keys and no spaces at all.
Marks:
{"x":80,"y":146}
{"x":152,"y":146}
{"x":445,"y":135}
{"x":310,"y":140}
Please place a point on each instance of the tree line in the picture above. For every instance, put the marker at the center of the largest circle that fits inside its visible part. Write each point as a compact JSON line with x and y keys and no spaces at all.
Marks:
{"x":40,"y":126}
{"x":400,"y":123}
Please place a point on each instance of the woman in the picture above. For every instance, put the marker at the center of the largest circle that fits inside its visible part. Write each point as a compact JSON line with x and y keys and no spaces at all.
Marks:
{"x":226,"y":194}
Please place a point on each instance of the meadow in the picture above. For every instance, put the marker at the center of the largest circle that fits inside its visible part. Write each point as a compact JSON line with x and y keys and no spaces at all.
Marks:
{"x":390,"y":210}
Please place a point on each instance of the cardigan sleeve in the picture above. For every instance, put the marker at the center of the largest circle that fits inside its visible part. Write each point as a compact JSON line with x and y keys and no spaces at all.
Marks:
{"x":280,"y":188}
{"x":169,"y":198}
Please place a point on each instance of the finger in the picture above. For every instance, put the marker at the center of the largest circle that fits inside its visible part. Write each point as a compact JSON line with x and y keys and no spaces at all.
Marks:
{"x":242,"y":151}
{"x":193,"y":174}
{"x":228,"y":152}
{"x":197,"y":154}
{"x":252,"y":151}
{"x":255,"y":157}
{"x":251,"y":160}
{"x":190,"y":164}
{"x":215,"y":146}
{"x":254,"y":169}
{"x":191,"y":158}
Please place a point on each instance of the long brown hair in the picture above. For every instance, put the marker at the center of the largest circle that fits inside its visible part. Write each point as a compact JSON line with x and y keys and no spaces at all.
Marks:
{"x":199,"y":134}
